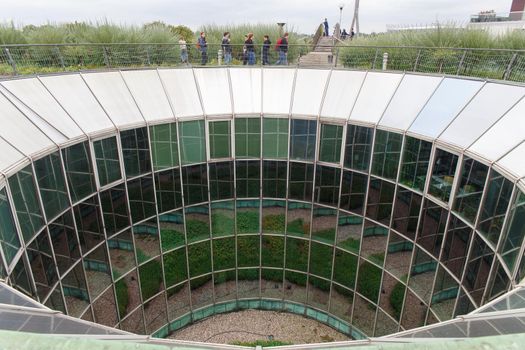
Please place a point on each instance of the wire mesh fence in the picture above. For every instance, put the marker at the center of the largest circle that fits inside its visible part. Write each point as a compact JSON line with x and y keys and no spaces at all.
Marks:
{"x":482,"y":63}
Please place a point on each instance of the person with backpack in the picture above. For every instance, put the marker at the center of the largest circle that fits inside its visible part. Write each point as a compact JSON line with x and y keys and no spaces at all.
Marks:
{"x":227,"y":48}
{"x":203,"y":47}
{"x":282,"y":48}
{"x":250,"y":49}
{"x":266,"y":49}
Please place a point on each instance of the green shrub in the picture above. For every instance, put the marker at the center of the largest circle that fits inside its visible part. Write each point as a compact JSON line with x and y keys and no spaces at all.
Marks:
{"x":171,"y":239}
{"x":150,"y":278}
{"x":297,"y":254}
{"x":222,"y":225}
{"x":272,"y":251}
{"x":224,"y":253}
{"x":345,"y":268}
{"x":247,"y":221}
{"x":296,"y":278}
{"x":121,"y":288}
{"x":320,"y":283}
{"x":272,"y":275}
{"x":247,"y":251}
{"x":299,"y":227}
{"x":225,"y":276}
{"x":248,"y":274}
{"x":199,"y":282}
{"x":199,"y":256}
{"x":396,"y":299}
{"x":369,"y":281}
{"x":350,"y":244}
{"x":321,"y":260}
{"x":175,"y":267}
{"x":273,"y":223}
{"x":196,"y":230}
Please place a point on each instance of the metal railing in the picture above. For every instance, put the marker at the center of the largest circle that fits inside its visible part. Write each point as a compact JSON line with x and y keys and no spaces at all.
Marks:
{"x":482,"y":63}
{"x":491,"y":16}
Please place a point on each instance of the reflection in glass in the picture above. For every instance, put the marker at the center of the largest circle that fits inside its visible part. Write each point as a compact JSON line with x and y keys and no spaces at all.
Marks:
{"x":25,"y":199}
{"x":349,"y":231}
{"x":353,"y":191}
{"x":75,"y":291}
{"x":121,"y":254}
{"x":89,"y":223}
{"x":327,"y":183}
{"x":456,"y":246}
{"x":199,"y":256}
{"x":432,"y":227}
{"x":219,"y":138}
{"x":248,"y":137}
{"x":406,"y":212}
{"x":20,"y":278}
{"x":107,"y":159}
{"x":134,"y":323}
{"x":422,"y":274}
{"x":274,"y":179}
{"x":155,"y":313}
{"x":43,"y":267}
{"x":341,"y":302}
{"x":221,"y":180}
{"x":248,"y":283}
{"x":275,"y":138}
{"x":318,"y":292}
{"x":150,"y":279}
{"x":52,"y":185}
{"x":146,"y":237}
{"x":197,"y":223}
{"x":223,"y":219}
{"x":380,"y":199}
{"x":392,"y":296}
{"x":272,"y":283}
{"x":301,"y":181}
{"x":399,"y":254}
{"x":364,"y":315}
{"x":247,"y":216}
{"x":478,"y":268}
{"x":56,"y":301}
{"x":192,"y":142}
{"x":164,"y":146}
{"x":321,"y":260}
{"x":470,"y":190}
{"x":225,"y":285}
{"x":302,"y":139}
{"x":115,"y":209}
{"x":414,"y":313}
{"x":512,"y":236}
{"x":384,"y":325}
{"x":141,"y":198}
{"x":248,"y":175}
{"x":64,"y":240}
{"x":297,"y":254}
{"x":295,"y":286}
{"x":168,"y":188}
{"x":8,"y":235}
{"x":387,"y":150}
{"x":105,"y":309}
{"x":248,"y":251}
{"x":414,"y":166}
{"x":195,"y":184}
{"x":201,"y":291}
{"x":464,"y":304}
{"x":79,"y":171}
{"x":175,"y":267}
{"x":135,"y":150}
{"x":369,"y":280}
{"x":324,"y":224}
{"x":345,"y":268}
{"x":331,"y":140}
{"x":444,"y":295}
{"x":358,"y":147}
{"x":299,"y":218}
{"x":374,"y":241}
{"x":272,"y":251}
{"x":273,"y":216}
{"x":223,"y":254}
{"x":500,"y":280}
{"x":97,"y":269}
{"x":443,"y":173}
{"x":127,"y":291}
{"x":178,"y":301}
{"x":171,"y":226}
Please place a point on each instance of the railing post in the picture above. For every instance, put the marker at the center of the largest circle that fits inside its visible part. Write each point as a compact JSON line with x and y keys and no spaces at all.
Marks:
{"x":10,"y":60}
{"x":461,"y":61}
{"x":336,"y":56}
{"x":219,"y":57}
{"x":106,"y":57}
{"x":60,"y":57}
{"x":385,"y":60}
{"x":375,"y":59}
{"x":506,"y":75}
{"x":417,"y":60}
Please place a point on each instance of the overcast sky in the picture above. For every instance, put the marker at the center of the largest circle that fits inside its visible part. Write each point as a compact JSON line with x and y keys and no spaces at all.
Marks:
{"x":304,"y":15}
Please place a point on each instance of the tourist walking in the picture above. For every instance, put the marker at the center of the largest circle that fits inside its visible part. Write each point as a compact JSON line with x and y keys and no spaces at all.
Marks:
{"x":344,"y":34}
{"x":282,"y":48}
{"x":203,"y":47}
{"x":352,"y":34}
{"x":325,"y":23}
{"x":266,"y":49}
{"x":183,"y":50}
{"x":244,"y":52}
{"x":250,"y":49}
{"x":227,"y":48}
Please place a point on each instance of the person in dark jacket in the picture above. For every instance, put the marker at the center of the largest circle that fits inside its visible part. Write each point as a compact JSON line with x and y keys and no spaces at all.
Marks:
{"x":203,"y":47}
{"x":266,"y":49}
{"x":250,"y":49}
{"x":244,"y":52}
{"x":325,"y":23}
{"x":227,"y":48}
{"x":282,"y":48}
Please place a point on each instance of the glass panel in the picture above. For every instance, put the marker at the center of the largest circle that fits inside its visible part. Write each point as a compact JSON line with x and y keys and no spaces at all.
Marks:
{"x":478,"y":268}
{"x":219,"y":138}
{"x":8,"y":235}
{"x":299,"y":218}
{"x":275,"y":138}
{"x":327,"y":181}
{"x":399,"y":255}
{"x":324,"y":224}
{"x":223,"y":218}
{"x":247,"y":137}
{"x":374,"y":242}
{"x":248,"y":283}
{"x":349,"y":229}
{"x":115,"y":209}
{"x":331,"y":140}
{"x":443,"y":173}
{"x":500,"y":281}
{"x":134,"y":323}
{"x":155,"y":313}
{"x":512,"y":237}
{"x":274,"y":179}
{"x":168,"y":189}
{"x":223,"y":254}
{"x":303,"y":138}
{"x":193,"y":143}
{"x":141,"y":198}
{"x":75,"y":291}
{"x":385,"y":325}
{"x":127,"y":291}
{"x":150,"y":278}
{"x":199,"y":256}
{"x":497,"y":199}
{"x":358,"y":147}
{"x":107,"y":159}
{"x":321,"y":260}
{"x":470,"y":190}
{"x":387,"y":150}
{"x":248,"y":178}
{"x":272,"y":251}
{"x":79,"y":171}
{"x":56,"y":302}
{"x":178,"y":301}
{"x":406,"y":212}
{"x":392,"y":296}
{"x":248,"y":217}
{"x":464,"y":305}
{"x":380,"y":200}
{"x":414,"y":313}
{"x":432,"y":227}
{"x":295,"y":286}
{"x":309,"y":90}
{"x":172,"y":230}
{"x":121,"y":254}
{"x":414,"y":166}
{"x":26,"y":203}
{"x":52,"y":185}
{"x":456,"y":246}
{"x":42,"y":264}
{"x":297,"y":254}
{"x":64,"y":240}
{"x":341,"y":301}
{"x":225,"y":286}
{"x":164,"y":146}
{"x":422,"y":274}
{"x":353,"y":192}
{"x":318,"y":292}
{"x":20,"y":278}
{"x":89,"y":224}
{"x":273,"y":220}
{"x":98,"y":274}
{"x":345,"y":268}
{"x":197,"y":223}
{"x":195,"y":184}
{"x":201,"y":291}
{"x":221,"y":180}
{"x":272,"y":283}
{"x":301,"y":181}
{"x":248,"y":251}
{"x":146,"y":237}
{"x":175,"y":267}
{"x":364,"y":314}
{"x":135,"y":150}
{"x":341,"y":93}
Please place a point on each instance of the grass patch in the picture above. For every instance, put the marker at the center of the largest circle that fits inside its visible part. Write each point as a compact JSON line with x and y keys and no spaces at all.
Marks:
{"x":150,"y":278}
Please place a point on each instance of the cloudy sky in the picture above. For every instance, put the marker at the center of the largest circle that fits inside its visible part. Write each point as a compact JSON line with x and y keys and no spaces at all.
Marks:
{"x":304,"y":15}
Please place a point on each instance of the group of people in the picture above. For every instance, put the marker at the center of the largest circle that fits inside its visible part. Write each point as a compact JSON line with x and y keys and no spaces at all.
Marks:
{"x":342,"y":34}
{"x":248,"y":49}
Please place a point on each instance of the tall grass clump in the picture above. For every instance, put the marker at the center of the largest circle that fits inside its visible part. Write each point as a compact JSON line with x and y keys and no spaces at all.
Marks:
{"x":11,"y":34}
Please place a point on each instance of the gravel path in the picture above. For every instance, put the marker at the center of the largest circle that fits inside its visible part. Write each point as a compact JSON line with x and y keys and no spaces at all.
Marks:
{"x":251,"y":325}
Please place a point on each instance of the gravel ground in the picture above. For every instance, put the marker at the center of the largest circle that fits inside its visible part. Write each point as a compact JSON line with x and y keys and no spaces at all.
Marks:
{"x":251,"y":325}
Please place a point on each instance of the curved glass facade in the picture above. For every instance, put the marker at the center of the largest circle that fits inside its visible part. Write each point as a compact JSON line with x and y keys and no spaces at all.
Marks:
{"x":368,"y":228}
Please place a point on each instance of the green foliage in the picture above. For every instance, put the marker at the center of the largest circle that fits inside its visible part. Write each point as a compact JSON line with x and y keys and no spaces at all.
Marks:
{"x":345,"y":268}
{"x":199,"y":282}
{"x":263,"y":343}
{"x":272,"y":275}
{"x":224,"y":253}
{"x":320,"y":283}
{"x":222,"y":225}
{"x":247,"y":221}
{"x":298,"y":227}
{"x":196,"y":230}
{"x":396,"y":299}
{"x":272,"y":251}
{"x":247,"y":251}
{"x":273,"y":223}
{"x":369,"y":281}
{"x":150,"y":278}
{"x":297,"y":254}
{"x":121,"y":288}
{"x":248,"y":274}
{"x":326,"y":236}
{"x":321,"y":260}
{"x":171,"y":239}
{"x":199,"y":256}
{"x":350,"y":244}
{"x":378,"y":258}
{"x":175,"y":267}
{"x":296,"y":278}
{"x":225,"y":276}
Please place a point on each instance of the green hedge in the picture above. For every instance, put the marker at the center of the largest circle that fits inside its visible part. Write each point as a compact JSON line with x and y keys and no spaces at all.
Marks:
{"x":175,"y":267}
{"x":369,"y":281}
{"x":396,"y":299}
{"x":150,"y":278}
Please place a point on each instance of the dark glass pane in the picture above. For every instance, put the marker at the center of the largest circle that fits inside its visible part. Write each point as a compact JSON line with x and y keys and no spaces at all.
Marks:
{"x":422,"y":273}
{"x":175,"y":267}
{"x":392,"y":296}
{"x":373,"y":244}
{"x":295,"y":286}
{"x":358,"y":147}
{"x":248,"y":283}
{"x":146,"y":235}
{"x":225,"y":285}
{"x":8,"y":235}
{"x":349,"y":229}
{"x":150,"y":279}
{"x":302,"y":139}
{"x":456,"y":246}
{"x":52,"y":185}
{"x":105,"y":309}
{"x":75,"y":291}
{"x":301,"y":181}
{"x":318,"y":292}
{"x":221,"y":180}
{"x":327,"y":184}
{"x":25,"y":199}
{"x":195,"y":184}
{"x":171,"y":227}
{"x":141,"y":198}
{"x":478,"y":268}
{"x":272,"y":251}
{"x":79,"y":171}
{"x":223,"y":254}
{"x":364,"y":315}
{"x":514,"y":232}
{"x":223,"y":218}
{"x":219,"y":136}
{"x":193,"y":143}
{"x":164,"y":146}
{"x":64,"y":240}
{"x":470,"y":190}
{"x":299,"y":219}
{"x":353,"y":190}
{"x":331,"y":140}
{"x":275,"y":138}
{"x":135,"y":150}
{"x":115,"y":209}
{"x":127,"y":291}
{"x":42,"y":264}
{"x":398,"y":257}
{"x":406,"y":212}
{"x":248,"y":178}
{"x":443,"y":175}
{"x":414,"y":313}
{"x":169,"y":191}
{"x":345,"y":268}
{"x":324,"y":224}
{"x":414,"y":166}
{"x":432,"y":227}
{"x":197,"y":223}
{"x":89,"y":224}
{"x":155,"y":313}
{"x":121,"y":254}
{"x":387,"y":149}
{"x":247,"y":137}
{"x":199,"y":255}
{"x":321,"y":260}
{"x":98,"y":274}
{"x":107,"y":159}
{"x":380,"y":200}
{"x":274,"y":179}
